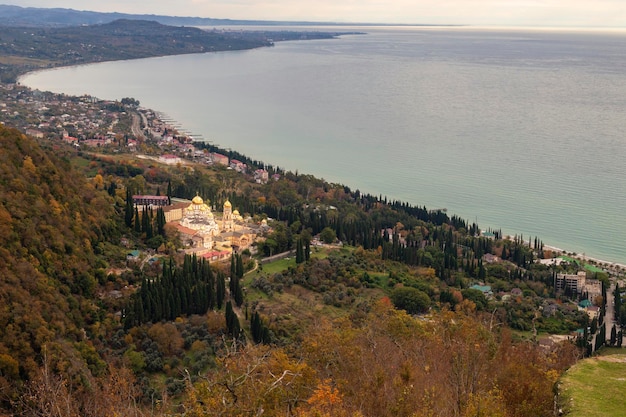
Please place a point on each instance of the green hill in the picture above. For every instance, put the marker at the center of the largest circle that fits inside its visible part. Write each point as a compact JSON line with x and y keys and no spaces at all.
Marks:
{"x":595,"y":387}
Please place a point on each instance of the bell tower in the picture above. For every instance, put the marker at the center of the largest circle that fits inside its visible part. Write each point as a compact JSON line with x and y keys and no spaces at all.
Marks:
{"x":227,"y":217}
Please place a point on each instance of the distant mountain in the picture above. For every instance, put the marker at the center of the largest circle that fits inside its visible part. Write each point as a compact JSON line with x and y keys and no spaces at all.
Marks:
{"x":30,"y":16}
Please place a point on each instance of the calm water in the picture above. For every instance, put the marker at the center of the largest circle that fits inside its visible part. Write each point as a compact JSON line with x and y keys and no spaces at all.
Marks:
{"x":519,"y":130}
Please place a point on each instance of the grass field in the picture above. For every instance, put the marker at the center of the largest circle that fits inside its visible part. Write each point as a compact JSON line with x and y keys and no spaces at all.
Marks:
{"x":595,"y":387}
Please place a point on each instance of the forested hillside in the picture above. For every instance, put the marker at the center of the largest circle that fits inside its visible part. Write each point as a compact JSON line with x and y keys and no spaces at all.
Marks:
{"x":53,"y":225}
{"x":25,"y":48}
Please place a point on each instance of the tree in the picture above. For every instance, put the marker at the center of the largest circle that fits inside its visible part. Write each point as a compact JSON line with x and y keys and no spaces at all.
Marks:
{"x":232,"y":321}
{"x":613,"y":335}
{"x":129,"y":212}
{"x":220,"y":292}
{"x":412,"y":300}
{"x":476,"y":296}
{"x":328,"y":235}
{"x":307,"y":249}
{"x":299,"y":251}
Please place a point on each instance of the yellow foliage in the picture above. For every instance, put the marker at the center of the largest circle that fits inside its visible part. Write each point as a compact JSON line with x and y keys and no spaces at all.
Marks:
{"x":486,"y":404}
{"x":29,"y":166}
{"x":325,"y":395}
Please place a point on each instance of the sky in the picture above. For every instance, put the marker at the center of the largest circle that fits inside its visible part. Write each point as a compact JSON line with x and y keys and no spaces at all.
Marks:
{"x":557,"y":13}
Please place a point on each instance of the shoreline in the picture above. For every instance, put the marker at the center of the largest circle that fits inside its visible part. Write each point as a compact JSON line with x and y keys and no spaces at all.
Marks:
{"x":563,"y":243}
{"x":613,"y":267}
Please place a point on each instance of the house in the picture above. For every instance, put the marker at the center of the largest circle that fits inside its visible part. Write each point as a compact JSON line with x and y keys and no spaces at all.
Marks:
{"x":593,"y":312}
{"x":261,"y":176}
{"x":485,"y":289}
{"x":133,"y":255}
{"x":550,"y":310}
{"x":34,"y":133}
{"x":238,"y":165}
{"x":170,"y":159}
{"x":220,"y":159}
{"x":216,"y":255}
{"x":490,"y":258}
{"x":517,"y":292}
{"x":488,"y":235}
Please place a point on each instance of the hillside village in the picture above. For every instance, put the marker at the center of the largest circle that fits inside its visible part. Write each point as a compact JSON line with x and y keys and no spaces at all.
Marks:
{"x":108,"y":126}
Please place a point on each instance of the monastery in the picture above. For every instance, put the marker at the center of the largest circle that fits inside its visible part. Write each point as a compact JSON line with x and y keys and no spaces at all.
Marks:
{"x":203,"y":233}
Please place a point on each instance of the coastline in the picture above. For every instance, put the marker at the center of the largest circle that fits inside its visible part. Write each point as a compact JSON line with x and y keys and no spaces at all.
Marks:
{"x":612,"y":267}
{"x":561,"y":240}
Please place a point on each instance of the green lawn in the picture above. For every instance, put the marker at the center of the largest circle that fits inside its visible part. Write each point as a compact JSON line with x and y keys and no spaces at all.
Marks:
{"x":278,"y":266}
{"x":595,"y":387}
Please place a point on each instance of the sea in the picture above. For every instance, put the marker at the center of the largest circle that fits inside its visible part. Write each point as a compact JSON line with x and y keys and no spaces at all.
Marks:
{"x":517,"y":129}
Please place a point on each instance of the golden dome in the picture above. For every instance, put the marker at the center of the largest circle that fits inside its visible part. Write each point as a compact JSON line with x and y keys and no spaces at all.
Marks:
{"x":197,"y":200}
{"x":227,"y":204}
{"x":236,"y":213}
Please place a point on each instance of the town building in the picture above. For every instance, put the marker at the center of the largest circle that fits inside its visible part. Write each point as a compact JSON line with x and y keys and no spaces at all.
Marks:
{"x":579,"y":284}
{"x":151,"y":200}
{"x":170,"y":159}
{"x":575,"y":282}
{"x":220,"y":159}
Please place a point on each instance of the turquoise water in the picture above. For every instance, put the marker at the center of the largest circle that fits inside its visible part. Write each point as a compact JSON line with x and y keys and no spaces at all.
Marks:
{"x":518,"y":130}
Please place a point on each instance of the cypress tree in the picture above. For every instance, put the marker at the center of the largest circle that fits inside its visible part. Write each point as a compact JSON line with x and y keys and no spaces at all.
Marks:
{"x":299,"y":251}
{"x":307,"y":250}
{"x":233,"y":274}
{"x":238,"y":293}
{"x":220,"y":292}
{"x":232,"y":321}
{"x":255,"y":327}
{"x":137,"y":221}
{"x":239,"y":266}
{"x":129,"y":212}
{"x":160,"y":220}
{"x":613,"y":335}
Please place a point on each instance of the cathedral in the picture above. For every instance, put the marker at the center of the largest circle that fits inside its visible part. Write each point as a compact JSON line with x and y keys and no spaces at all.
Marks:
{"x":205,"y":234}
{"x":198,"y":216}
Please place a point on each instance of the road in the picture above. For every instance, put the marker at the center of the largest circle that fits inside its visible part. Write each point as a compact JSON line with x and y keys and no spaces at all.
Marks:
{"x":136,"y":127}
{"x":609,"y":317}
